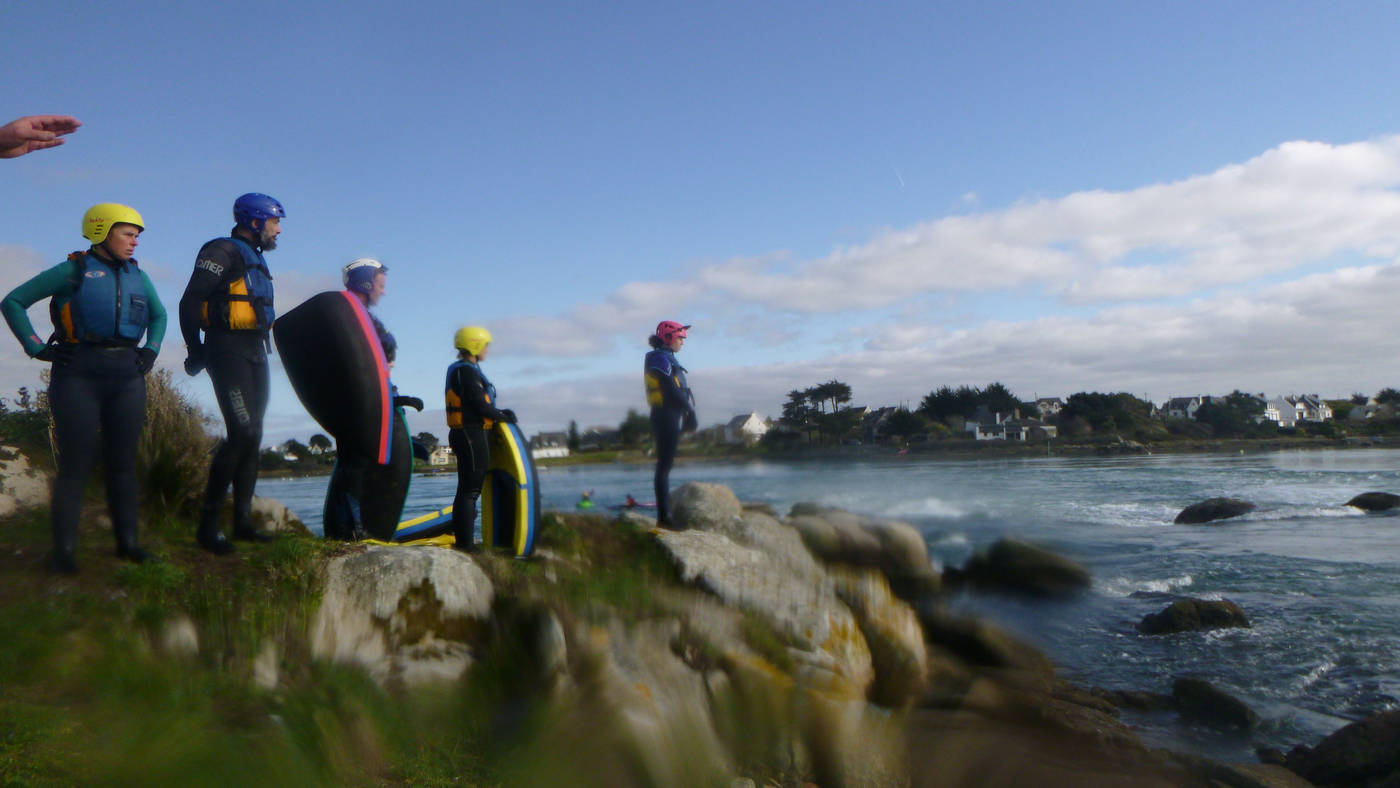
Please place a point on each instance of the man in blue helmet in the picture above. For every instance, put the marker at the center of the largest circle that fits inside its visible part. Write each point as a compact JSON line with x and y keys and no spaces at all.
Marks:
{"x":229,"y":299}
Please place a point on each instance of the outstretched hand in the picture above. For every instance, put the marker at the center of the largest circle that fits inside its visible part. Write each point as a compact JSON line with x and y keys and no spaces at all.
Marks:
{"x":34,"y":132}
{"x":689,"y":423}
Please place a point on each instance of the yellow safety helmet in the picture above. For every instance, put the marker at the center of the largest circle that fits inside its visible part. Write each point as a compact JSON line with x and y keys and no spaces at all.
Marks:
{"x":472,"y":339}
{"x":98,"y":220}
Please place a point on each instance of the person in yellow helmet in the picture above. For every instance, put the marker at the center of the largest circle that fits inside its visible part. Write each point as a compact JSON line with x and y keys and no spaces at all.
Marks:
{"x":471,"y":411}
{"x":101,"y":305}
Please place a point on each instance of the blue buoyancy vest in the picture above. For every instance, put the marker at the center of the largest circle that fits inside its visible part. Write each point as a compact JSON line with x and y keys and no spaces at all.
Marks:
{"x":660,"y":364}
{"x":108,"y":303}
{"x":244,"y":304}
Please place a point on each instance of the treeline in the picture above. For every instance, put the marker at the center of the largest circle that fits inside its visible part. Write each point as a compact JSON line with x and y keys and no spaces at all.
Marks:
{"x":822,"y":415}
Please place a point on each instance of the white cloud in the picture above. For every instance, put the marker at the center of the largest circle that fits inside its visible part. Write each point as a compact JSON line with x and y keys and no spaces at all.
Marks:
{"x":1330,"y":333}
{"x":1300,"y":203}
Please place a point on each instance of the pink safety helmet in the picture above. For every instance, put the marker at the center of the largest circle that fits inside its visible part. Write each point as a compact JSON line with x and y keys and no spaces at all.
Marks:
{"x":667,"y":330}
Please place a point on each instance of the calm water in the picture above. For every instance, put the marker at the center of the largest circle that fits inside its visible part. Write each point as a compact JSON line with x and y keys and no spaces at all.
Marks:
{"x":1319,"y":581}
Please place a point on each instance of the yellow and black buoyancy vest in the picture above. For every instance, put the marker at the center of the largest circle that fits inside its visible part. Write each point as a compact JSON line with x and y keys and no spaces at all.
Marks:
{"x":453,"y":394}
{"x":245,"y":303}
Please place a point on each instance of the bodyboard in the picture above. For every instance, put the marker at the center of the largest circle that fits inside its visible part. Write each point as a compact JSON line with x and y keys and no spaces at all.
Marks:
{"x":426,"y":526}
{"x":386,"y":486}
{"x":334,"y":361}
{"x":510,"y":496}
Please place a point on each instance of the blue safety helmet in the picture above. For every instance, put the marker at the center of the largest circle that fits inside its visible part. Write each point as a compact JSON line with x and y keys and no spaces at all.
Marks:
{"x":253,"y":206}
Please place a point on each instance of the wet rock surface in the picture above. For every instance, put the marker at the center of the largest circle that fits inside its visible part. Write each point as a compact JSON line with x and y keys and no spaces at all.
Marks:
{"x":1375,"y":501}
{"x":1189,"y":615}
{"x":1213,"y":509}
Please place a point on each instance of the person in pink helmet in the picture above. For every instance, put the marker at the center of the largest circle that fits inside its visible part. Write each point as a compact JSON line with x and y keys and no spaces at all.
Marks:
{"x":672,"y":407}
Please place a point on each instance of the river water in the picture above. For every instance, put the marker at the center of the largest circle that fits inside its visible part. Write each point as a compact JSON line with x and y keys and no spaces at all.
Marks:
{"x":1319,"y":581}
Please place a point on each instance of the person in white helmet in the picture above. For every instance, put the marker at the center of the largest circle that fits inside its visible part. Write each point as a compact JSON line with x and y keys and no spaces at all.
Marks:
{"x":368,"y":280}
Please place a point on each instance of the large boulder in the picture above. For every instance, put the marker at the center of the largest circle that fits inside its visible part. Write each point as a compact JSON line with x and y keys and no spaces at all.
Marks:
{"x":1200,"y":700}
{"x":893,"y":633}
{"x":272,"y":516}
{"x":406,"y":614}
{"x":21,"y":485}
{"x":786,"y":588}
{"x":1013,"y":565}
{"x":894,"y":547}
{"x":704,"y":506}
{"x":977,"y":643}
{"x":1362,"y":753}
{"x":1213,"y":509}
{"x":1375,"y":501}
{"x":1189,"y":615}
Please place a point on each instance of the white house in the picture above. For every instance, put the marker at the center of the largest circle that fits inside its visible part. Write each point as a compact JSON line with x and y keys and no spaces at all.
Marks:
{"x":745,"y":428}
{"x":549,"y":444}
{"x":987,"y":426}
{"x":1310,"y":407}
{"x":1281,"y":411}
{"x":1182,"y":407}
{"x":1049,"y":406}
{"x":440,"y":455}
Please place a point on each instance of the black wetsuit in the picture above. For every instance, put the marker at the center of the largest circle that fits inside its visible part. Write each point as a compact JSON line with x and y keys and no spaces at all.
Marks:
{"x":98,"y":400}
{"x":471,"y":408}
{"x":237,"y":363}
{"x":672,"y":412}
{"x":340,"y":515}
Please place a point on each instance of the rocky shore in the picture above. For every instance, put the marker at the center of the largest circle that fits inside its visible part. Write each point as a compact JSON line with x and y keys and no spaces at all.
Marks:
{"x":751,"y":648}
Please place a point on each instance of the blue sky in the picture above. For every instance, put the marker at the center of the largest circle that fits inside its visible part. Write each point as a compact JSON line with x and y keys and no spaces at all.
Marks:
{"x":1166,"y":199}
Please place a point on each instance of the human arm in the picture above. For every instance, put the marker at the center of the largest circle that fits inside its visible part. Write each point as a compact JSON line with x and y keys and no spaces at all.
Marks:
{"x":475,"y":399}
{"x":34,"y":132}
{"x":52,"y":282}
{"x":155,"y":328}
{"x":214,"y":261}
{"x":662,"y":372}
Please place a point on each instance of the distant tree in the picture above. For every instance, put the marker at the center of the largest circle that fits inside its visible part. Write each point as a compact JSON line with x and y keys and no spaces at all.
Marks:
{"x":1341,"y":408}
{"x":839,"y":393}
{"x":429,"y":441}
{"x":634,"y":429}
{"x":946,"y":402}
{"x":1103,"y":413}
{"x":998,"y":399}
{"x":320,"y":442}
{"x":905,"y":424}
{"x":798,"y":412}
{"x":840,"y":424}
{"x":1386,"y":396}
{"x":1235,"y":416}
{"x":1357,"y":398}
{"x":573,"y":436}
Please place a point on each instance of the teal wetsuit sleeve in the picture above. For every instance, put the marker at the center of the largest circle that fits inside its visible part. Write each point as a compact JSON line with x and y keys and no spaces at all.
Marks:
{"x":50,"y":283}
{"x":155,"y":329}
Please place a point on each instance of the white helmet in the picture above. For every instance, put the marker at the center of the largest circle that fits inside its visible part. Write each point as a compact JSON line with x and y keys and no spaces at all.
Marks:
{"x":358,"y":274}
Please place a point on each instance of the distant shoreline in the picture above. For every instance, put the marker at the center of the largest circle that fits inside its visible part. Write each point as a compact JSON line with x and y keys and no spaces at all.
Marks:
{"x":961,"y":450}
